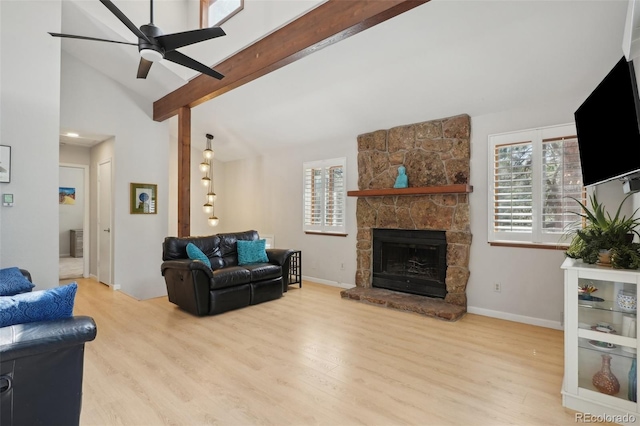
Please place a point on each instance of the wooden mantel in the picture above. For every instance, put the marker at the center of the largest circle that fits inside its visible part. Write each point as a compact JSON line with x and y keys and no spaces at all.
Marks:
{"x":422,"y":190}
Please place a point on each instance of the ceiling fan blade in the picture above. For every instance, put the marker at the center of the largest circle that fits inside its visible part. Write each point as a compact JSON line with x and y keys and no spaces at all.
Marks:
{"x":144,"y":67}
{"x":173,"y":41}
{"x":122,"y":17}
{"x":185,"y":61}
{"x":91,"y":38}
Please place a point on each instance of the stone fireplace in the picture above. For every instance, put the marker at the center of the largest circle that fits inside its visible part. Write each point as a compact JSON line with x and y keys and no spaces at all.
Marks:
{"x":436,"y":156}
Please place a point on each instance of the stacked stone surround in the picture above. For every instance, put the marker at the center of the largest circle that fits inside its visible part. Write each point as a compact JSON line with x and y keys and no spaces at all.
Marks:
{"x":435,"y":153}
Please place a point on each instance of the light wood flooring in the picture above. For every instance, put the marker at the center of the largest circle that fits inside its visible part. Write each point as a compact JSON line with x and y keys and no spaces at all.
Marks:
{"x":312,"y":358}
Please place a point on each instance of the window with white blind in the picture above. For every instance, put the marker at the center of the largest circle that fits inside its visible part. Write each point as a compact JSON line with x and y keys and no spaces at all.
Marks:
{"x":534,"y":174}
{"x":324,"y":196}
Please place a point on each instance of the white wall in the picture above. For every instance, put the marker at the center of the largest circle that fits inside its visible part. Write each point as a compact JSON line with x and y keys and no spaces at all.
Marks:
{"x":74,"y":154}
{"x":94,"y":103}
{"x":29,"y":101}
{"x":265,"y":194}
{"x":71,"y":215}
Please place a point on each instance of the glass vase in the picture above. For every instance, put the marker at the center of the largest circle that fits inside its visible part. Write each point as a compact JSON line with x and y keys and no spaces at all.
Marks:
{"x":604,"y":380}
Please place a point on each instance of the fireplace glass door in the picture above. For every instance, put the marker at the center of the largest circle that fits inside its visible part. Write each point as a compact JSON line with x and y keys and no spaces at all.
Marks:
{"x":410,"y":261}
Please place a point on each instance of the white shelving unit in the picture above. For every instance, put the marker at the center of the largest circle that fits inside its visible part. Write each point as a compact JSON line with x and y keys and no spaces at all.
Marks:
{"x":584,"y":345}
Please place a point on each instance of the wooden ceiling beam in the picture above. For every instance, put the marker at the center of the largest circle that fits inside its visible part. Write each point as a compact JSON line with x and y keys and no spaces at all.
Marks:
{"x":325,"y":25}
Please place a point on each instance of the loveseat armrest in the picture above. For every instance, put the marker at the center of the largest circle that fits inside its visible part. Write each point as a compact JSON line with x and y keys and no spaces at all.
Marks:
{"x":188,"y":284}
{"x":186,"y":264}
{"x":23,"y":340}
{"x":281,"y":257}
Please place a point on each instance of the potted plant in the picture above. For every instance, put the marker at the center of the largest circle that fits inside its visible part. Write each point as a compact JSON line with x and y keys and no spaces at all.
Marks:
{"x":604,"y":239}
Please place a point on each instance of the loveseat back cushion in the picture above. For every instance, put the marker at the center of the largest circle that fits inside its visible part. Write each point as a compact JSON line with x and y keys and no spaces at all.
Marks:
{"x":229,"y":245}
{"x":230,"y":276}
{"x":175,"y":248}
{"x":263,"y":271}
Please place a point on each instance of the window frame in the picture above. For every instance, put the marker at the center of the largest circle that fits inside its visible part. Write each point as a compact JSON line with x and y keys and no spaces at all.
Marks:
{"x":326,"y":178}
{"x":205,"y":5}
{"x":537,"y":236}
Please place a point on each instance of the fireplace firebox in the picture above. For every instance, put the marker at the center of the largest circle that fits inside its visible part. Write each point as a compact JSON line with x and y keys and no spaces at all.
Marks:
{"x":410,"y":261}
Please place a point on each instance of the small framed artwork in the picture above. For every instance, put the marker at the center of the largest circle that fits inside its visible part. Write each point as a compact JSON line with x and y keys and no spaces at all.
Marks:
{"x":5,"y":164}
{"x":144,"y":198}
{"x":67,"y":195}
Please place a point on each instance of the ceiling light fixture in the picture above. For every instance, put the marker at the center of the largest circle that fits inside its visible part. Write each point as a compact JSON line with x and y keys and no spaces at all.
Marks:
{"x":151,"y":55}
{"x":207,"y":168}
{"x":72,"y":134}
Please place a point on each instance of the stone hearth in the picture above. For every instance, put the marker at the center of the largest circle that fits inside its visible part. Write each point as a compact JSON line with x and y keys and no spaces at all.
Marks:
{"x":406,"y":302}
{"x":435,"y":153}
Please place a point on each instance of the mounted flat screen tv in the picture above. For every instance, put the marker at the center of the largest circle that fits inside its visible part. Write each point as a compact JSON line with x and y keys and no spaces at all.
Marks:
{"x":609,"y":128}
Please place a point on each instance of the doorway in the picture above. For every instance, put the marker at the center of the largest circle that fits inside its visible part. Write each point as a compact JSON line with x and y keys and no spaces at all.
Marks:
{"x":73,"y":221}
{"x":105,"y":236}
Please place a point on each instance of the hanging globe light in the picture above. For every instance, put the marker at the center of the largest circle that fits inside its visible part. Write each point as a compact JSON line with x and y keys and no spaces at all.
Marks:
{"x":213,"y":221}
{"x":208,"y":153}
{"x":211,"y":197}
{"x":208,"y":208}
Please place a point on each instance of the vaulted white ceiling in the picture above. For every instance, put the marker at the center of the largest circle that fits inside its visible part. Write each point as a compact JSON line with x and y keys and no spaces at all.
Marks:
{"x":443,"y":58}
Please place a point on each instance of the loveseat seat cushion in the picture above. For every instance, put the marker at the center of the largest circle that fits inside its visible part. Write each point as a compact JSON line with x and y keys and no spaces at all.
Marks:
{"x":229,"y":277}
{"x":263,"y":271}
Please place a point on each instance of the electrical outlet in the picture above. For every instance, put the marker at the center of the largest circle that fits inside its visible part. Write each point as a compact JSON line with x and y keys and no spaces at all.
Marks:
{"x":497,"y":287}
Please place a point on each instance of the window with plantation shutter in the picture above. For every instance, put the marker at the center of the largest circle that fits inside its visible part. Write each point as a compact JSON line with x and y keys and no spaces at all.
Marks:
{"x":324,"y":196}
{"x":534,"y":175}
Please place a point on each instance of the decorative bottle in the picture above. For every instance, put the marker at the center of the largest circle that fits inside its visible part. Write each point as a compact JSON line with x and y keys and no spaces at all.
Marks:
{"x":633,"y":382}
{"x":604,"y":380}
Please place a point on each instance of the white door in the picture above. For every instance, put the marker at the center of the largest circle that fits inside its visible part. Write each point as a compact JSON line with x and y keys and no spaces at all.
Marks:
{"x":104,"y":222}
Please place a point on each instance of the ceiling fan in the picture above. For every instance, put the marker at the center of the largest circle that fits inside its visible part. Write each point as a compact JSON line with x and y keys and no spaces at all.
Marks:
{"x":154,"y":46}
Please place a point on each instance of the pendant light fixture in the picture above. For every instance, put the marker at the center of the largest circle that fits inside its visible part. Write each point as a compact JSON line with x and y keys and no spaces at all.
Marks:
{"x":207,"y":181}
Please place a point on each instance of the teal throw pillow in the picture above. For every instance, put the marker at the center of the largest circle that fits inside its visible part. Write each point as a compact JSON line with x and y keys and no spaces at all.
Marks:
{"x":43,"y":305}
{"x":195,"y":253}
{"x":13,"y":282}
{"x":252,"y":252}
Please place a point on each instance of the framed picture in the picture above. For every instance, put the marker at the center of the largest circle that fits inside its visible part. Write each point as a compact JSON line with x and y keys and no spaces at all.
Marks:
{"x":144,"y":198}
{"x":5,"y":164}
{"x":67,"y":195}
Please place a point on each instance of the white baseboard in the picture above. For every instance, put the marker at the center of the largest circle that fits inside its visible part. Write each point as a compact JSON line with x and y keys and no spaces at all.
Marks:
{"x":556,"y":325}
{"x":113,"y":286}
{"x":327,"y":282}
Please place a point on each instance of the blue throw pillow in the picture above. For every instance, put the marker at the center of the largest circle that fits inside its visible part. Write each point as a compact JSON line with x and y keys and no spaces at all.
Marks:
{"x":252,"y":252}
{"x":13,"y":282}
{"x":196,"y":254}
{"x":43,"y":305}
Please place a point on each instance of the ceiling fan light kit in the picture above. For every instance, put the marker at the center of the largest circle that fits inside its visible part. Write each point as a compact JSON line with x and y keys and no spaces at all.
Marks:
{"x":151,"y":55}
{"x":154,"y":46}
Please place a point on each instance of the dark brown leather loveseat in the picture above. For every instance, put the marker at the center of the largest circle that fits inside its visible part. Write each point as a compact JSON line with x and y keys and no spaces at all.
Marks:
{"x":203,"y":290}
{"x":41,"y":369}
